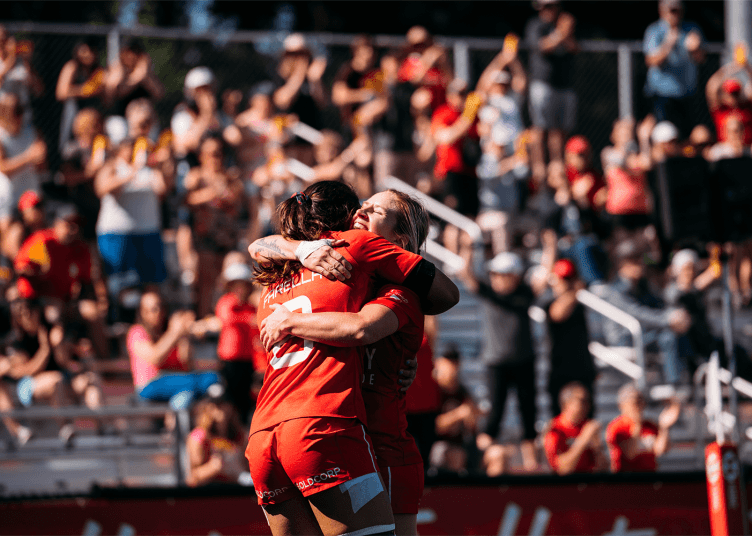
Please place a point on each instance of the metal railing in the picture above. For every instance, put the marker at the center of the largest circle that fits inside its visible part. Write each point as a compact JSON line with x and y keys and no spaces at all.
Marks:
{"x":613,"y":313}
{"x":179,"y":434}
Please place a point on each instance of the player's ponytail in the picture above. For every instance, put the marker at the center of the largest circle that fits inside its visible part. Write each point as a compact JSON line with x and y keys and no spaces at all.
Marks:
{"x":323,"y":206}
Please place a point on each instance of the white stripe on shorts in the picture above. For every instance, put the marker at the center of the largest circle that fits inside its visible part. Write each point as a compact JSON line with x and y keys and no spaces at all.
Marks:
{"x":375,"y":467}
{"x":377,"y":529}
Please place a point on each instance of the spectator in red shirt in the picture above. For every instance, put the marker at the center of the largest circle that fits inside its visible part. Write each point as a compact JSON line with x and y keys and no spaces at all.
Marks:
{"x":453,"y":127}
{"x":726,"y":96}
{"x":587,"y":184}
{"x":425,"y":65}
{"x":55,"y":266}
{"x":31,"y":220}
{"x":240,"y":349}
{"x":633,"y":442}
{"x":573,"y":443}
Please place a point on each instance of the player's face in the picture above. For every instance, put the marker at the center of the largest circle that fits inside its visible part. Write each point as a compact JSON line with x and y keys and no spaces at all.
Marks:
{"x":378,"y":215}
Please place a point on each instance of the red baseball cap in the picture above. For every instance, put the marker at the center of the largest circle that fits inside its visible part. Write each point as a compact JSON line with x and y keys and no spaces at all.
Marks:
{"x":565,"y":269}
{"x":732,"y":85}
{"x":577,"y":145}
{"x":28,"y":199}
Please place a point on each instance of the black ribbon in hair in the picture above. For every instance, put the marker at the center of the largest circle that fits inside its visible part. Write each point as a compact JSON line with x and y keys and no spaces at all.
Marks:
{"x":302,"y":198}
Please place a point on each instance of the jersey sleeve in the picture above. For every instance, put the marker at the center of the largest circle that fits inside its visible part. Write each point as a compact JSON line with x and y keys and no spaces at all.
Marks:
{"x":401,"y":301}
{"x":377,"y":255}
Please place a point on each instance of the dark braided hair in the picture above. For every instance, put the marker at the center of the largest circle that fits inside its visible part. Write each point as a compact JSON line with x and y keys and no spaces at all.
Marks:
{"x":323,"y":206}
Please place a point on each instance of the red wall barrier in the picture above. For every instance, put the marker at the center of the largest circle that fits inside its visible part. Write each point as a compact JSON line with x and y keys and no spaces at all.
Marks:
{"x":520,"y":506}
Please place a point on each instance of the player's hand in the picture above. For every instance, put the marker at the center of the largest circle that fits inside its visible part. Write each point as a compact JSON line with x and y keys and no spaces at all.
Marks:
{"x":272,"y":327}
{"x":327,"y":262}
{"x":407,"y":374}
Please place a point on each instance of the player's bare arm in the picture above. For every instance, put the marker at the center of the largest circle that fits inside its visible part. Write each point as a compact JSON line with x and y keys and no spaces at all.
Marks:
{"x":324,"y":260}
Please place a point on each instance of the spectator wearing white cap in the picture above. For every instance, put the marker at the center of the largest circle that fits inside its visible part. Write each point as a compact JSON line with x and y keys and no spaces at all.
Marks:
{"x":508,"y":345}
{"x":673,"y":49}
{"x":686,"y":290}
{"x":198,"y":115}
{"x":665,"y":138}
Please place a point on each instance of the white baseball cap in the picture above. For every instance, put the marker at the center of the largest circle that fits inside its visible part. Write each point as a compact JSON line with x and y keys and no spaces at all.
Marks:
{"x":237,"y":272}
{"x":506,"y":263}
{"x":199,"y":77}
{"x":682,"y":258}
{"x":664,"y":132}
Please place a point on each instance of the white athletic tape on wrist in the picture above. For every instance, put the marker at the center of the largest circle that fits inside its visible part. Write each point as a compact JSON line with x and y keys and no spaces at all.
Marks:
{"x":362,"y":489}
{"x":305,"y":248}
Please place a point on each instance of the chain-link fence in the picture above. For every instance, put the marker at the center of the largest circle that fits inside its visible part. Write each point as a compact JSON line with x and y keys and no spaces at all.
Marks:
{"x":238,"y":64}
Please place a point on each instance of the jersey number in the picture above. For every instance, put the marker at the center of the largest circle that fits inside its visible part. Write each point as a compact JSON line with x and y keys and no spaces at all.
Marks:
{"x":302,"y":304}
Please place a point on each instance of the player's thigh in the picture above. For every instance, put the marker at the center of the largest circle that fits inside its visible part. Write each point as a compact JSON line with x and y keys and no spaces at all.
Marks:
{"x":340,"y":511}
{"x":290,"y":517}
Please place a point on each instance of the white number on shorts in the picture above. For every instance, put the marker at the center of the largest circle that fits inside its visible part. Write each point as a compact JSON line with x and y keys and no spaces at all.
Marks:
{"x":302,"y":304}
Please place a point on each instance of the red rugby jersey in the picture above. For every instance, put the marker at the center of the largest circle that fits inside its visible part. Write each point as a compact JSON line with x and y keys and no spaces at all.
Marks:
{"x":620,"y":430}
{"x":58,"y":269}
{"x":385,"y":404}
{"x":559,"y":439}
{"x":307,"y":379}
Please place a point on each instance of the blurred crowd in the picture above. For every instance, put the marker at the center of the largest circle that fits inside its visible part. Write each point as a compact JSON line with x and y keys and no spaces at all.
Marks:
{"x":136,"y":245}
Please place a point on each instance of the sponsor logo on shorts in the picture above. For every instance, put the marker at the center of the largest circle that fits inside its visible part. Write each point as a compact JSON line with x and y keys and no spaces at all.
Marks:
{"x":271,"y":494}
{"x":318,"y":479}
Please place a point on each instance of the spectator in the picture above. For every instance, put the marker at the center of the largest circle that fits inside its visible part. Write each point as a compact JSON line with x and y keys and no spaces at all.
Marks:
{"x":424,"y":64}
{"x":40,"y":372}
{"x":333,"y":163}
{"x":456,"y":422}
{"x":22,"y":155}
{"x":299,"y":87}
{"x":152,"y":147}
{"x":355,"y":84}
{"x":55,"y":265}
{"x":633,"y":442}
{"x":79,"y":85}
{"x":572,"y":442}
{"x":216,"y":198}
{"x":215,"y":446}
{"x":685,"y":290}
{"x":160,"y":355}
{"x":700,"y":141}
{"x":502,"y":174}
{"x":503,"y":84}
{"x":553,"y":101}
{"x":253,"y":128}
{"x":571,"y":360}
{"x":83,"y":157}
{"x":32,"y":220}
{"x":196,"y":118}
{"x":17,"y":75}
{"x":240,"y":350}
{"x":131,"y":77}
{"x":588,"y":188}
{"x":424,"y":398}
{"x":454,"y":131}
{"x":726,"y":97}
{"x":628,"y":201}
{"x":572,"y":229}
{"x":673,"y":49}
{"x":665,"y":138}
{"x":129,"y":223}
{"x":508,"y":350}
{"x":734,"y":145}
{"x":661,"y":327}
{"x":21,"y":434}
